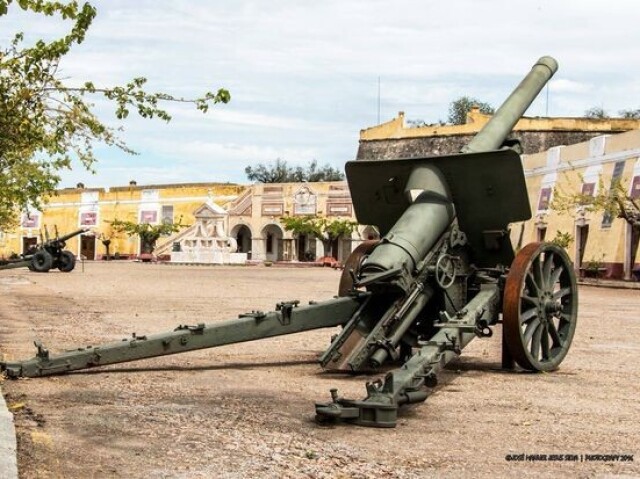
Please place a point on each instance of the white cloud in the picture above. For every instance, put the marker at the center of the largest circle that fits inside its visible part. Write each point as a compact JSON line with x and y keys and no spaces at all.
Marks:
{"x":303,"y":75}
{"x":564,"y":85}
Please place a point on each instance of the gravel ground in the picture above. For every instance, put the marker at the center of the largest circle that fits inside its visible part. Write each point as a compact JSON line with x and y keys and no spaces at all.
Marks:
{"x":246,"y":410}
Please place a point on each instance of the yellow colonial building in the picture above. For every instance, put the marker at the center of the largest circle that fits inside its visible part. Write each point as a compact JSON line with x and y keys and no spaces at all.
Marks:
{"x":94,"y":208}
{"x":598,"y":240}
{"x":250,"y":214}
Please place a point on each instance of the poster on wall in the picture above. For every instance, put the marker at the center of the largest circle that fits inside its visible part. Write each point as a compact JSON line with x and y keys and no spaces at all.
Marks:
{"x":30,"y":220}
{"x":338,"y":209}
{"x":148,"y":216}
{"x":545,"y":198}
{"x":304,"y":202}
{"x":88,"y":218}
{"x":635,"y":187}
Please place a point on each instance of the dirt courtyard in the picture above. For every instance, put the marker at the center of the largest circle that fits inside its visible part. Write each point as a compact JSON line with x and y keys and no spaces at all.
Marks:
{"x":247,"y":410}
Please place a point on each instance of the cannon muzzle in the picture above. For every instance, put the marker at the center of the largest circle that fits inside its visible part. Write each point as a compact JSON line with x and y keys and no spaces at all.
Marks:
{"x":498,"y":128}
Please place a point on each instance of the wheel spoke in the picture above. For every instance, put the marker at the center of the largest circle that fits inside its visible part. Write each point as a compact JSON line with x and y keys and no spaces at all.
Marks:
{"x":528,"y":315}
{"x":561,"y":292}
{"x":536,"y":266}
{"x":535,"y":342}
{"x":555,"y":337}
{"x":531,"y":328}
{"x":544,"y":343}
{"x":555,"y":276}
{"x":533,"y":285}
{"x":546,"y":271}
{"x":531,"y":300}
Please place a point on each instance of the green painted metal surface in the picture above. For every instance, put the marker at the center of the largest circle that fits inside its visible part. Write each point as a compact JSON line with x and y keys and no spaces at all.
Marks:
{"x":288,"y":320}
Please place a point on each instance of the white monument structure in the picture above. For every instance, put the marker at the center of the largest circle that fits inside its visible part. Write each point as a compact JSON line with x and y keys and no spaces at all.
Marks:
{"x":206,"y":241}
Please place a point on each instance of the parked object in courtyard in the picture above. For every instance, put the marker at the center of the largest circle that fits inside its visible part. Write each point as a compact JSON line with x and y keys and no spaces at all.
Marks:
{"x":443,"y":273}
{"x":48,"y":254}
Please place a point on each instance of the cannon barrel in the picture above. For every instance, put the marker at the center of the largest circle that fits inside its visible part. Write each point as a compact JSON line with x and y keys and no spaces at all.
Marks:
{"x":69,"y":235}
{"x":431,"y":210}
{"x":418,"y":229}
{"x":498,"y":128}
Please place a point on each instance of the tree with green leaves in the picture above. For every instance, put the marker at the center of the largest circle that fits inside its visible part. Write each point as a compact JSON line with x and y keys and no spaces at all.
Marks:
{"x":322,"y":229}
{"x":46,"y":121}
{"x":614,"y":201}
{"x":562,"y":239}
{"x":147,"y":233}
{"x":281,"y":172}
{"x":459,"y":108}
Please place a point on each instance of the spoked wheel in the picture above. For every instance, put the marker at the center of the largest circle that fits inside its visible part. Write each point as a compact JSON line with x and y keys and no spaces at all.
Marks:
{"x":352,"y":264}
{"x":540,"y":306}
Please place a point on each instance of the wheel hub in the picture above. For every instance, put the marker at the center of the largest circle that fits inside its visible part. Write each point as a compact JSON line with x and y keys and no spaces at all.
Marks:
{"x":551,"y":307}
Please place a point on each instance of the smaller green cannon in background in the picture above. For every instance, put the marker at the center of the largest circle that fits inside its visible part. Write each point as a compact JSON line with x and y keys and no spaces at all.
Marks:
{"x":443,"y":273}
{"x":47,"y":254}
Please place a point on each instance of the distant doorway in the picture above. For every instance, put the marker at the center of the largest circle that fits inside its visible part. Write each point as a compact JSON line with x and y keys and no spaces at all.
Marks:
{"x":243,"y":239}
{"x":273,"y":243}
{"x":29,"y":244}
{"x":88,"y":247}
{"x":306,"y":248}
{"x":541,"y":233}
{"x":582,"y":234}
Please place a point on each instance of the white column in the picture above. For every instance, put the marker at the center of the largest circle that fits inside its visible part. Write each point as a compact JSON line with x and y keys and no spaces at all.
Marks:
{"x":576,"y":256}
{"x":258,"y":249}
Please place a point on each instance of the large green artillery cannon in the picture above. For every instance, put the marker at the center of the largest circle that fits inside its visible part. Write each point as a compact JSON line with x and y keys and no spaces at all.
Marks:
{"x":443,"y":273}
{"x":47,"y":254}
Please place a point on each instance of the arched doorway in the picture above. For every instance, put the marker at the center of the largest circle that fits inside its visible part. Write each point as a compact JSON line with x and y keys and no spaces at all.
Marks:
{"x":273,"y":244}
{"x":243,"y":236}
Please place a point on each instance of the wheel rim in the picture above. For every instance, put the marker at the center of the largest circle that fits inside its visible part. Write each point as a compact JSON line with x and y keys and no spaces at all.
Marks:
{"x":352,"y":264}
{"x":540,"y":306}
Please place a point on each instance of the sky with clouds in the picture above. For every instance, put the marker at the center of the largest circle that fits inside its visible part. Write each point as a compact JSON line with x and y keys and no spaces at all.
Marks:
{"x":303,"y":75}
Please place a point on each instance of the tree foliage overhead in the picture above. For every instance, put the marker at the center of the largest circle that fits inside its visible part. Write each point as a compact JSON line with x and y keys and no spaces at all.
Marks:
{"x":281,"y":172}
{"x":46,"y":121}
{"x":459,"y":108}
